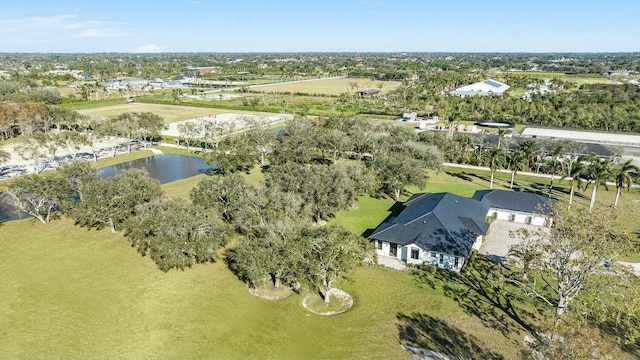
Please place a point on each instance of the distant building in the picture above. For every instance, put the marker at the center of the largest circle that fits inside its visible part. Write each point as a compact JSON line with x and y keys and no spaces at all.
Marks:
{"x":126,"y":84}
{"x":617,"y":73}
{"x":484,"y":88}
{"x":368,"y":92}
{"x":409,"y":116}
{"x":186,"y":78}
{"x":630,"y":140}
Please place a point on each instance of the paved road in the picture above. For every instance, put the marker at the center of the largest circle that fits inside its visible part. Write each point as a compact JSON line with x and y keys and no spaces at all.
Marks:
{"x":547,"y":176}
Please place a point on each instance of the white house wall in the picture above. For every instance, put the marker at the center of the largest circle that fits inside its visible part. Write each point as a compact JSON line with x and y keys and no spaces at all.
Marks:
{"x":478,"y":243}
{"x":424,"y":257}
{"x":517,"y":217}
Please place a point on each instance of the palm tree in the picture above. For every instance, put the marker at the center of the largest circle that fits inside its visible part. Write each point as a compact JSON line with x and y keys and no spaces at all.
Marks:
{"x":624,"y":174}
{"x":497,"y":160}
{"x":574,"y":171}
{"x":558,"y":152}
{"x":175,"y":95}
{"x":517,"y":162}
{"x":530,"y":151}
{"x":597,"y":172}
{"x":502,"y":133}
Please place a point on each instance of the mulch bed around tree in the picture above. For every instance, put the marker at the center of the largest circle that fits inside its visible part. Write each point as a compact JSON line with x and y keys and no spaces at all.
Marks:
{"x":345,"y":300}
{"x":269,"y":292}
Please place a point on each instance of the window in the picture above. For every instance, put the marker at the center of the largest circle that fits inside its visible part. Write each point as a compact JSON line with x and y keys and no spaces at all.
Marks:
{"x":456,"y":262}
{"x":393,"y":250}
{"x":433,"y":255}
{"x":415,"y":253}
{"x":379,"y":244}
{"x":512,"y":217}
{"x":441,"y":259}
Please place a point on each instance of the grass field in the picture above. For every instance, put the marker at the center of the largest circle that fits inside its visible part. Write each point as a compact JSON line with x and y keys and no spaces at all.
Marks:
{"x":331,"y":86}
{"x":579,"y":79}
{"x":73,"y":293}
{"x":170,"y":113}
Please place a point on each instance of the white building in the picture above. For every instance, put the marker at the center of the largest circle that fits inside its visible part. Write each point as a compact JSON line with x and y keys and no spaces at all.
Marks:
{"x":483,"y":88}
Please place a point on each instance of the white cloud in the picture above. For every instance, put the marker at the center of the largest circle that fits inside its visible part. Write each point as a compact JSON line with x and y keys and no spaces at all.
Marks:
{"x":59,"y":27}
{"x":150,"y":48}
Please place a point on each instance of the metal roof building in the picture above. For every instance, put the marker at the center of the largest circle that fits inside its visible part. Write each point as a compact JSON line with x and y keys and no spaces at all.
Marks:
{"x":482,"y":88}
{"x":584,"y":136}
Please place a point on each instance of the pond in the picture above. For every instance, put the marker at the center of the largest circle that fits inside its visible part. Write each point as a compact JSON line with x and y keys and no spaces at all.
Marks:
{"x":164,"y":168}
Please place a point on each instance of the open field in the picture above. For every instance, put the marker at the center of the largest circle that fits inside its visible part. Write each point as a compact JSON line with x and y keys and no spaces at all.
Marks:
{"x":579,"y":79}
{"x":170,"y":113}
{"x":331,"y":86}
{"x":73,"y":293}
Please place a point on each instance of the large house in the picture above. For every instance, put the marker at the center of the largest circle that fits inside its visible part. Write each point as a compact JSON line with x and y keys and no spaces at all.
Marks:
{"x":441,"y":229}
{"x":482,"y":88}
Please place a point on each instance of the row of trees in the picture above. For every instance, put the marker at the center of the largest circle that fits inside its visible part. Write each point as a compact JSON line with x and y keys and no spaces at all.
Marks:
{"x":69,"y":137}
{"x":595,"y":106}
{"x":174,"y":233}
{"x":561,"y":159}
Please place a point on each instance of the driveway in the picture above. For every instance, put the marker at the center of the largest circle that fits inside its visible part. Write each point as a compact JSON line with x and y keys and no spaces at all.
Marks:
{"x":497,"y":243}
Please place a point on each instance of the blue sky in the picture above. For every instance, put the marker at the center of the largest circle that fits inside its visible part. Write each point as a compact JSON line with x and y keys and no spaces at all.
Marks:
{"x":320,"y":25}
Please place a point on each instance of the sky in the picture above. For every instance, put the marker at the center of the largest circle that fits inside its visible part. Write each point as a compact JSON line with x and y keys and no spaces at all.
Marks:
{"x":143,"y":26}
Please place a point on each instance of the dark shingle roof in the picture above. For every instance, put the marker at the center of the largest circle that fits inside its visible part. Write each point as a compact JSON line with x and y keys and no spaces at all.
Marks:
{"x":442,"y":222}
{"x":514,"y":200}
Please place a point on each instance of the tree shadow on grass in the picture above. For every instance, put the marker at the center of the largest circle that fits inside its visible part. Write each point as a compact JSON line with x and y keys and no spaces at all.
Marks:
{"x":482,"y":292}
{"x":461,"y":175}
{"x":394,"y":210}
{"x":429,"y":333}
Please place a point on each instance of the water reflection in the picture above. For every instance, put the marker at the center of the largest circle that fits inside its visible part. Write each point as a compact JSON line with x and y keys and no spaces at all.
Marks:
{"x":165,"y":168}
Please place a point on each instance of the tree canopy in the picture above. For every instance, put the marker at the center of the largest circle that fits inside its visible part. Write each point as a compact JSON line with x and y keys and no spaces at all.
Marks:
{"x":175,"y":234}
{"x":110,"y":202}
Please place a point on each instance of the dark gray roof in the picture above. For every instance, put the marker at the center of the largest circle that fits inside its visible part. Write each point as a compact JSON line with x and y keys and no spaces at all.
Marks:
{"x":493,"y":83}
{"x":598,"y":149}
{"x":442,"y":222}
{"x":514,"y":200}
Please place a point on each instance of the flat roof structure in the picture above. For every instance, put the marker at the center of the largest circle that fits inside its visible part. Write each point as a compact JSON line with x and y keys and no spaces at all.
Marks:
{"x":584,"y":136}
{"x":482,"y":88}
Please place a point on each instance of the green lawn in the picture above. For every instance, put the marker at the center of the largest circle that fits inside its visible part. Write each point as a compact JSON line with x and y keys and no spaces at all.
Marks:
{"x":69,"y":292}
